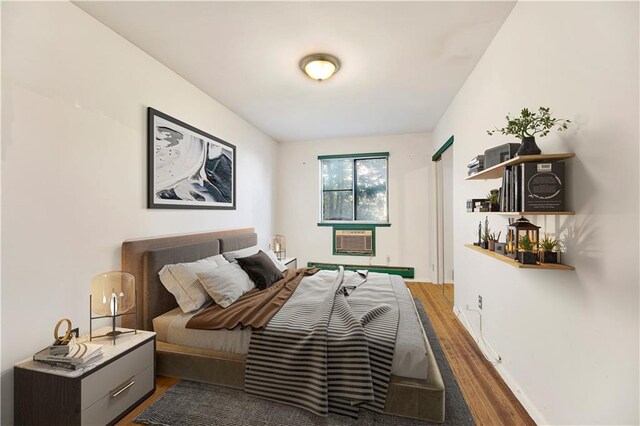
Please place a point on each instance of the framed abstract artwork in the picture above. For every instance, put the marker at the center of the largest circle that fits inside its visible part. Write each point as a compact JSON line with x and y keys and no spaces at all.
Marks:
{"x":188,"y":168}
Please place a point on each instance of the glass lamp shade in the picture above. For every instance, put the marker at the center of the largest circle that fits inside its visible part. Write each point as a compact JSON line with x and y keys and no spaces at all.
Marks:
{"x":279,"y":246}
{"x":320,"y":70}
{"x":113,"y":293}
{"x":319,"y":66}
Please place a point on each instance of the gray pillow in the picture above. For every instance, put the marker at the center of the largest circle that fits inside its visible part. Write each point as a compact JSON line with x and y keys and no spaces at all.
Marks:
{"x":232,"y":256}
{"x":260,"y":269}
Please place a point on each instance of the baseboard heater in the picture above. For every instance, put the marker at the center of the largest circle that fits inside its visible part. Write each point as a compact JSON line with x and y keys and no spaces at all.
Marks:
{"x":403,"y":271}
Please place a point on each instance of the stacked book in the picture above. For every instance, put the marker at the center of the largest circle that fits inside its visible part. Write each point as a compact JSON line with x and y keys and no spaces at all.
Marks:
{"x":476,"y":165}
{"x":71,"y":356}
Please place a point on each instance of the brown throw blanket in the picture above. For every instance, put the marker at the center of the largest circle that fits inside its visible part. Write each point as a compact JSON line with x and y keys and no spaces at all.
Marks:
{"x":254,"y":309}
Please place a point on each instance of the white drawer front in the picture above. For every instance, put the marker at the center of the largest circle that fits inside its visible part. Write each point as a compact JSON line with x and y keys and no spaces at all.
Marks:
{"x":99,"y":384}
{"x":109,"y":407}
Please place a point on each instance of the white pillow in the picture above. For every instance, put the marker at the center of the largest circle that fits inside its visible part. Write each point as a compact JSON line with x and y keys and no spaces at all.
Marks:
{"x":219,"y":259}
{"x":226,"y":283}
{"x":281,"y":267}
{"x":231,"y":256}
{"x":181,"y":280}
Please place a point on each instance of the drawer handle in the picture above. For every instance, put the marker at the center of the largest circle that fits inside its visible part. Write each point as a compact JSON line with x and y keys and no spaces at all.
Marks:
{"x":117,"y":391}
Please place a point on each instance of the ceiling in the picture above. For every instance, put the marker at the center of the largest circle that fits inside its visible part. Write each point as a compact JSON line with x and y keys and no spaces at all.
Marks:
{"x":402,"y":62}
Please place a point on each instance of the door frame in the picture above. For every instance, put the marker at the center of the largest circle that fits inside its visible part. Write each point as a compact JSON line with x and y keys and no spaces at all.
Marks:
{"x":439,"y":211}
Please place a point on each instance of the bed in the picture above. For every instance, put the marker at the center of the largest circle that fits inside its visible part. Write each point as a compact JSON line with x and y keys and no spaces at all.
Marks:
{"x":415,"y":388}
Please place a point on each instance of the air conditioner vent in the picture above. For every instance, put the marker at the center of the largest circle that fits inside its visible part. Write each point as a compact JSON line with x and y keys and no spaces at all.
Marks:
{"x":354,"y":242}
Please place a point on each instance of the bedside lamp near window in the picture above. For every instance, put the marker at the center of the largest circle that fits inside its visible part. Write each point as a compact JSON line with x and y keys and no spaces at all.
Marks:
{"x":113,"y":294}
{"x":279,"y":246}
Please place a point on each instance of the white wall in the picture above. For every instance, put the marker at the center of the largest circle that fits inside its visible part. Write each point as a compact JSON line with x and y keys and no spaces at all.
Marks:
{"x":298,"y":202}
{"x":1,"y":122}
{"x":74,"y":144}
{"x":569,"y":340}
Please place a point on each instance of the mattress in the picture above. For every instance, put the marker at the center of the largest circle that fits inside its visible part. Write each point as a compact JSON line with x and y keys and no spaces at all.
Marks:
{"x":409,"y":359}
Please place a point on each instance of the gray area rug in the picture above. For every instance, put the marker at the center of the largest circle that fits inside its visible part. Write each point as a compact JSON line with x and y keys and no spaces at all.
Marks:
{"x":202,"y":404}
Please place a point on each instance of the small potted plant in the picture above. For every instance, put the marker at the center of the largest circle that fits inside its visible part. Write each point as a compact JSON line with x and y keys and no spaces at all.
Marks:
{"x":526,"y":255}
{"x":528,"y":125}
{"x":493,"y":239}
{"x":548,"y":246}
{"x":492,"y":199}
{"x":485,"y":240}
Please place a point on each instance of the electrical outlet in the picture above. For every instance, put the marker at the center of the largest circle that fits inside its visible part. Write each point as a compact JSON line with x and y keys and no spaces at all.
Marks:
{"x":479,"y":301}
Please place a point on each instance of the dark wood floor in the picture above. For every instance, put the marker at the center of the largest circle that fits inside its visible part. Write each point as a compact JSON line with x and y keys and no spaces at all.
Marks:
{"x":490,"y":400}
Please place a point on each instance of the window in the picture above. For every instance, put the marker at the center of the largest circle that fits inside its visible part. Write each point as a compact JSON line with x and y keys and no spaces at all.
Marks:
{"x":354,"y":188}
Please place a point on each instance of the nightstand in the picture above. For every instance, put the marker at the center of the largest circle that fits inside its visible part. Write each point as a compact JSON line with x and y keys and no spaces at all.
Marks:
{"x":290,"y":262}
{"x":98,"y":394}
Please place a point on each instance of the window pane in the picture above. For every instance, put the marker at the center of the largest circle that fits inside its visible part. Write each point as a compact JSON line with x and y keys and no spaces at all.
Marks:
{"x":337,"y":205}
{"x":371,"y":181}
{"x":337,"y":174}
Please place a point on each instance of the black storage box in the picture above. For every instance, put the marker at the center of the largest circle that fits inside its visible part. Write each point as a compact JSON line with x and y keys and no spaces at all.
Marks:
{"x":498,"y":154}
{"x":543,"y":187}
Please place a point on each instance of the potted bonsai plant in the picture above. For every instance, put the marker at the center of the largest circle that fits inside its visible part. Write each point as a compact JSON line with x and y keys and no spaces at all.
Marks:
{"x":526,"y":255}
{"x":492,"y":199}
{"x":548,"y":246}
{"x":528,"y":125}
{"x":493,"y":239}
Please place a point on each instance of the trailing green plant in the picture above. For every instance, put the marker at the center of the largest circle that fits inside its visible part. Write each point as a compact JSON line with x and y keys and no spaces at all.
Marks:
{"x":493,"y":237}
{"x":525,"y":243}
{"x":531,"y":124}
{"x":549,"y":243}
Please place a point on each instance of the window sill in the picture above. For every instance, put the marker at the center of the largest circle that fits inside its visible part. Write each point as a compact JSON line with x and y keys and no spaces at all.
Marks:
{"x":347,"y":225}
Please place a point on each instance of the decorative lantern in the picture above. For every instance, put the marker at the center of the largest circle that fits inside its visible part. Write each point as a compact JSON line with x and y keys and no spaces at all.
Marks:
{"x":279,"y":246}
{"x":519,"y":229}
{"x":113,"y":294}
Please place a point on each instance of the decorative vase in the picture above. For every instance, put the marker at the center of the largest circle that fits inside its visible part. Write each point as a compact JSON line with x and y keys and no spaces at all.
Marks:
{"x":527,"y":257}
{"x":492,"y":245}
{"x":528,"y":146}
{"x":549,"y":257}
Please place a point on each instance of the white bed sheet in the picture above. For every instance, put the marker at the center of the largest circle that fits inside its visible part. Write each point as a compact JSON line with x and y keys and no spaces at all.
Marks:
{"x":409,"y":358}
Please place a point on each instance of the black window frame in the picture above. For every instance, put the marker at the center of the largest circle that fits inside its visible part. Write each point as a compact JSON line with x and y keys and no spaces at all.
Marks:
{"x":355,"y":158}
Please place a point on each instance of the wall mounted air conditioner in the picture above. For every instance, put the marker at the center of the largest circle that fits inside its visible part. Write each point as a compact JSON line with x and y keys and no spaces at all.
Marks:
{"x":354,"y":242}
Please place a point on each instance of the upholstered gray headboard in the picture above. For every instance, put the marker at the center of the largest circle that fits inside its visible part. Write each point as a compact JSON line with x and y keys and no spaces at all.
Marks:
{"x":142,"y":255}
{"x":157,"y":300}
{"x":238,"y":242}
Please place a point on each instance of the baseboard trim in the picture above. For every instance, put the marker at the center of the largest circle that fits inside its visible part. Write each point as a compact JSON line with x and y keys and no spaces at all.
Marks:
{"x":528,"y":405}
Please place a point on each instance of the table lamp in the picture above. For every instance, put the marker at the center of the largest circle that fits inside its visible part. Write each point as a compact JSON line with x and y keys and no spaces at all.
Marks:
{"x":113,"y":294}
{"x":279,"y":246}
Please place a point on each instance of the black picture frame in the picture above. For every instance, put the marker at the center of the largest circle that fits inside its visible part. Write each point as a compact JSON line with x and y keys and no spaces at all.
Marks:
{"x":173,"y":155}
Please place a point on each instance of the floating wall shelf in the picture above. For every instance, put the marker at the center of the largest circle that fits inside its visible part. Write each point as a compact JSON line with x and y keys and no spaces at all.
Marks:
{"x":497,"y":171}
{"x":527,"y":213}
{"x":512,"y":262}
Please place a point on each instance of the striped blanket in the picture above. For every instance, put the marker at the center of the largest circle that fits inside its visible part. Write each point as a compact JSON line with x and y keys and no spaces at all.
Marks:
{"x":330,"y":347}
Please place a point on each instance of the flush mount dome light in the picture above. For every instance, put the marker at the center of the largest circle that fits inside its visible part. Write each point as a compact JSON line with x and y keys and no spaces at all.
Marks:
{"x":320,"y":66}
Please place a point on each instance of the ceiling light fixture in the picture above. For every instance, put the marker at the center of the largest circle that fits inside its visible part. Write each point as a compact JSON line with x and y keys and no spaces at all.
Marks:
{"x":319,"y":66}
